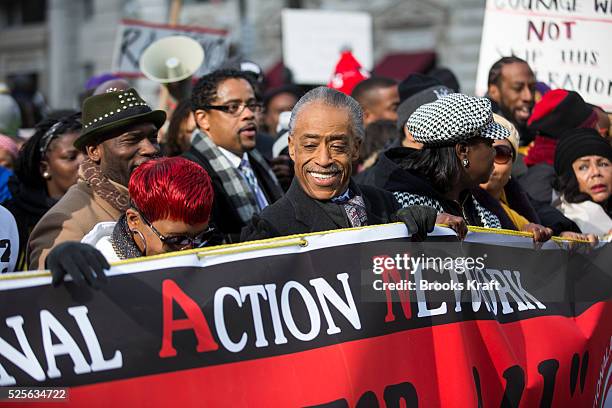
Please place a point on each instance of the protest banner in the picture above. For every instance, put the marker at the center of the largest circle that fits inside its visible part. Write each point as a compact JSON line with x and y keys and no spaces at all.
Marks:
{"x":312,"y":42}
{"x":133,"y":37}
{"x":564,"y":42}
{"x":315,"y":320}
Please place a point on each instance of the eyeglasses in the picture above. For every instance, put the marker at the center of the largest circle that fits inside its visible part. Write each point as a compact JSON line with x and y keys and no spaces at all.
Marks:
{"x":179,"y":242}
{"x":503,"y":154}
{"x":236,"y":108}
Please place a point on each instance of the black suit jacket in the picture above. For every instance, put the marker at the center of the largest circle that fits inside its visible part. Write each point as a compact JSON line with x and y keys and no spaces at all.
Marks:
{"x":224,"y":216}
{"x":297,"y":213}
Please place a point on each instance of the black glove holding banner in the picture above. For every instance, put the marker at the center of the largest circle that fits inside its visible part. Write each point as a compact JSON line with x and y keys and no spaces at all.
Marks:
{"x":82,"y":262}
{"x":419,"y":220}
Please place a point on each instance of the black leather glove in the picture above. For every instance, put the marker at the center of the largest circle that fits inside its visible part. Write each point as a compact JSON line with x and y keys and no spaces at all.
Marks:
{"x":83,"y":262}
{"x":419,"y":220}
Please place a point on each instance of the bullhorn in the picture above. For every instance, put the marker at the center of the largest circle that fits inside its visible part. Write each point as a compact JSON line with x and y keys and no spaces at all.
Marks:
{"x":171,"y":59}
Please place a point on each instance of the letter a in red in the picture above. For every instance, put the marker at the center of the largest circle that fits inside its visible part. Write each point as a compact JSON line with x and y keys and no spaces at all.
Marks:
{"x":195,"y":320}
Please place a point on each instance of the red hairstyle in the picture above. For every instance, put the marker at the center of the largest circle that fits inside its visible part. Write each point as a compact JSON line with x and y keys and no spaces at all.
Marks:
{"x":172,"y":188}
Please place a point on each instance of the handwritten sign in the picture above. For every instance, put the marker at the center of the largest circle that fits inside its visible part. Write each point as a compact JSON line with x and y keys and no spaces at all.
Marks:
{"x":134,"y":37}
{"x":566,"y":43}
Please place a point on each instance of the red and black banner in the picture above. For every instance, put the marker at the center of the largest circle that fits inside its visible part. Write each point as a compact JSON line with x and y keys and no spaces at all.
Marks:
{"x":328,"y":325}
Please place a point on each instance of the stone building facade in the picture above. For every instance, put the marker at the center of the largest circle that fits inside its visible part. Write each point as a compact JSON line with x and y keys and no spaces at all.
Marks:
{"x":76,"y":38}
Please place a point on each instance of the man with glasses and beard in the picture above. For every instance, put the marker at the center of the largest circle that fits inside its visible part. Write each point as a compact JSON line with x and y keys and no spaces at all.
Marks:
{"x":225,"y":108}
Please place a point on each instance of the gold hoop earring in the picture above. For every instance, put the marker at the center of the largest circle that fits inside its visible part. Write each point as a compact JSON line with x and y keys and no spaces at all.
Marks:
{"x":144,"y":241}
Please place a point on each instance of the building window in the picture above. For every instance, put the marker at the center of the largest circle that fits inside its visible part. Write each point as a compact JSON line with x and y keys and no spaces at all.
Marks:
{"x":88,"y":9}
{"x":22,"y":12}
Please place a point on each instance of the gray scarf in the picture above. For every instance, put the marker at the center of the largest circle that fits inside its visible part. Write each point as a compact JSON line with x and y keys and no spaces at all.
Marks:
{"x":238,"y":190}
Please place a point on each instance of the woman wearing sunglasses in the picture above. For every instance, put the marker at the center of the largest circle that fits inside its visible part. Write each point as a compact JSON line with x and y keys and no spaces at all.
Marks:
{"x":170,"y":211}
{"x":502,"y":188}
{"x":457,"y":133}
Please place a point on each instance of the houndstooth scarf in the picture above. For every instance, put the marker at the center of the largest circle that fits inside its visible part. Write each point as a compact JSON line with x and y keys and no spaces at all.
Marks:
{"x":487,"y":218}
{"x":234,"y":183}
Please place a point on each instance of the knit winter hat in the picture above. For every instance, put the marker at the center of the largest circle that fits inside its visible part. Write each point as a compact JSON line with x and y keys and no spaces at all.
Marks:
{"x":558,"y":111}
{"x":415,"y":83}
{"x":578,"y":143}
{"x":416,"y":90}
{"x":413,"y":102}
{"x":454,"y":118}
{"x":348,"y":73}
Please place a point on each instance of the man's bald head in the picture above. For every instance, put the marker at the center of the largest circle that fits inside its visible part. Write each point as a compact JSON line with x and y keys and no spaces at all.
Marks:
{"x":378,"y":97}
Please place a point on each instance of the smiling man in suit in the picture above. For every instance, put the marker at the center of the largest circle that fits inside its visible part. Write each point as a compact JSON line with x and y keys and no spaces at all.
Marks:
{"x":325,"y":132}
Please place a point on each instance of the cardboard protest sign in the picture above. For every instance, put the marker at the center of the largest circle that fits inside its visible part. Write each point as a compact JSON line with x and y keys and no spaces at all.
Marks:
{"x":565,"y":42}
{"x":345,"y":319}
{"x":313,"y":40}
{"x":133,"y":37}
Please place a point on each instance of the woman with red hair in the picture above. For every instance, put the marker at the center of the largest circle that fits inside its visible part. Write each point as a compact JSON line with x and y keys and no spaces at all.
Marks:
{"x":171,"y":201}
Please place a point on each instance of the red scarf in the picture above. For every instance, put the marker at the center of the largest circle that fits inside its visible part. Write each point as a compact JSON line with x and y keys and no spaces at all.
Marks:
{"x":542,"y":151}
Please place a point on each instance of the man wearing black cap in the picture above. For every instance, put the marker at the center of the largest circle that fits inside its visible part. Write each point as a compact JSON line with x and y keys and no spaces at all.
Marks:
{"x":414,"y":91}
{"x":119,"y":134}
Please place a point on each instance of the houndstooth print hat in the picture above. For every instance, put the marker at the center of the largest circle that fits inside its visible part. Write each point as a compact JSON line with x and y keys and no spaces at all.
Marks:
{"x":454,"y":118}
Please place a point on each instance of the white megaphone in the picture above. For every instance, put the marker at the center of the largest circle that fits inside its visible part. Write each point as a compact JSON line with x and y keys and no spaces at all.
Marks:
{"x":172,"y":61}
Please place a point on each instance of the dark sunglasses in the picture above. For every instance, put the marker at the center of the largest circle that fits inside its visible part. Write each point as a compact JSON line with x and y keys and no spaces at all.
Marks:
{"x":503,"y":154}
{"x":179,"y":242}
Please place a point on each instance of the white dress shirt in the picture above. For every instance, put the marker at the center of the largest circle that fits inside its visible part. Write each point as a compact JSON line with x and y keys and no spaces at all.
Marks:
{"x":236,"y":160}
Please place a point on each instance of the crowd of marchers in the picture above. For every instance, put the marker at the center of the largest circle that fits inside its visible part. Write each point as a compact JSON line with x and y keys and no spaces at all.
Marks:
{"x":235,"y":162}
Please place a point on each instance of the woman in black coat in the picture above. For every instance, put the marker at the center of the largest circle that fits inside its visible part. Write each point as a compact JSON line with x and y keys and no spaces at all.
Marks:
{"x":457,"y":133}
